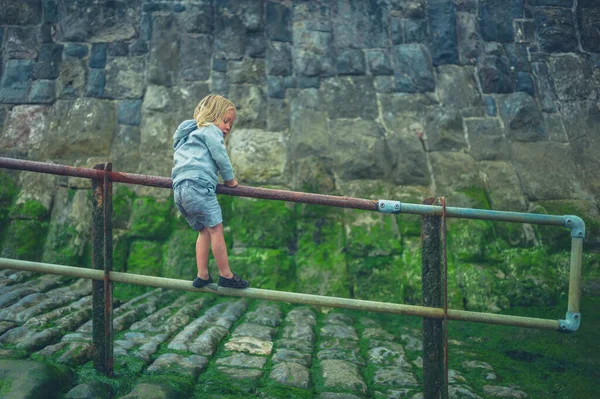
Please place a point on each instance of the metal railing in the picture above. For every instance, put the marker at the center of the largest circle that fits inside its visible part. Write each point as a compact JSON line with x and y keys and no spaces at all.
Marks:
{"x":102,"y":275}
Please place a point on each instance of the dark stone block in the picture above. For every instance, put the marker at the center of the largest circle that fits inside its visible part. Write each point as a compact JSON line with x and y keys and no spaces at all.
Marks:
{"x":414,"y":70}
{"x":379,"y":62}
{"x":155,"y":7}
{"x":350,"y":62}
{"x":396,"y":31}
{"x":118,"y":49}
{"x":129,"y":112}
{"x":179,"y":8}
{"x":47,"y":33}
{"x":588,"y":19}
{"x":524,"y":82}
{"x":48,"y":65}
{"x":443,"y":43}
{"x":487,"y":142}
{"x":16,"y":80}
{"x":490,"y":106}
{"x":278,"y":22}
{"x":22,"y":42}
{"x":555,"y":29}
{"x":256,"y":45}
{"x":556,"y":3}
{"x":146,"y":27}
{"x":50,"y":15}
{"x":139,"y":47}
{"x":415,"y":31}
{"x":384,"y":84}
{"x":276,"y":87}
{"x":313,"y":49}
{"x":198,"y":17}
{"x":290,"y":82}
{"x":359,"y":24}
{"x":444,"y":127}
{"x":517,"y":57}
{"x":219,"y":65}
{"x":279,"y":59}
{"x":43,"y":91}
{"x":356,"y":93}
{"x":496,"y":19}
{"x":229,"y":30}
{"x":76,"y":50}
{"x":493,"y":48}
{"x":469,"y":41}
{"x":522,"y":117}
{"x":525,"y":31}
{"x":495,"y":75}
{"x":95,"y":84}
{"x":98,"y":55}
{"x":307,"y":82}
{"x":195,"y":53}
{"x":22,"y":12}
{"x":573,"y":78}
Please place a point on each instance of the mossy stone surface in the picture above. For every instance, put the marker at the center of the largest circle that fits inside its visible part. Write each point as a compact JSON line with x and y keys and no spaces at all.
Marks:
{"x":151,"y":218}
{"x":371,"y":234}
{"x":30,"y":209}
{"x":32,"y":380}
{"x":145,"y":257}
{"x":180,"y":254}
{"x":24,"y":239}
{"x":265,"y":268}
{"x":320,"y":261}
{"x":469,"y":240}
{"x":261,"y":223}
{"x":120,"y":249}
{"x":123,"y":199}
{"x":8,"y":191}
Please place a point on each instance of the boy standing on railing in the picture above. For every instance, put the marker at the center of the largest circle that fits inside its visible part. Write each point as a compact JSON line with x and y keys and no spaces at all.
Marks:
{"x":200,"y":155}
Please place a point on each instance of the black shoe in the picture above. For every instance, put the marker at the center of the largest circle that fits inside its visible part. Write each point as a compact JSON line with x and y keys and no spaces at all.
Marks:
{"x":199,"y":283}
{"x":233,"y":282}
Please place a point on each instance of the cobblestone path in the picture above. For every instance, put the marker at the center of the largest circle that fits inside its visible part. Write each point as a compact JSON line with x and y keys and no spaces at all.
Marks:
{"x":253,"y":346}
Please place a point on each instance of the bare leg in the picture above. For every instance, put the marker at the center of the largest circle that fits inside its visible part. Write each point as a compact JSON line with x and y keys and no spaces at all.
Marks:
{"x":202,"y":247}
{"x":219,"y":250}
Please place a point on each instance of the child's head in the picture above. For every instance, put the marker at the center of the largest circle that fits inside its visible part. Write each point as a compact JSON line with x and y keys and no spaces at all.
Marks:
{"x":215,"y":109}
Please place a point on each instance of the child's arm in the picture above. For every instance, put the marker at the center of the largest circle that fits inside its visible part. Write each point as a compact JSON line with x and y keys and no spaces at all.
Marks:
{"x":216,"y":146}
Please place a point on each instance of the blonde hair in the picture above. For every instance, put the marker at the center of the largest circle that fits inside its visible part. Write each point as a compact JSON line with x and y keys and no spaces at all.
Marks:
{"x":212,"y":109}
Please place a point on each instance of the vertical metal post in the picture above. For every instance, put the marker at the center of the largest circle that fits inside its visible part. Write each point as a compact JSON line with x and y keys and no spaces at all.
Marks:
{"x":434,"y":380}
{"x":575,"y":274}
{"x":102,"y":333}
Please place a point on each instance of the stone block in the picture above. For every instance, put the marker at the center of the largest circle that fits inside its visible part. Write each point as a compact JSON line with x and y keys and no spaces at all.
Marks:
{"x":43,"y":91}
{"x":524,"y":31}
{"x":96,"y":83}
{"x":379,"y":62}
{"x":443,"y":42}
{"x":163,"y":61}
{"x":517,"y":57}
{"x":496,"y":19}
{"x":118,"y":49}
{"x":555,"y":29}
{"x":396,"y":30}
{"x":588,"y":20}
{"x":278,"y":115}
{"x":454,"y":171}
{"x":308,"y":82}
{"x":195,"y":53}
{"x":486,"y":139}
{"x":356,"y":93}
{"x":28,"y":12}
{"x":413,"y":69}
{"x":98,"y":54}
{"x":457,"y":86}
{"x":444,"y":130}
{"x":544,"y":87}
{"x":276,"y":87}
{"x":125,"y":78}
{"x":75,"y":50}
{"x":249,"y":70}
{"x":291,"y":374}
{"x":350,"y":62}
{"x":524,"y":83}
{"x":312,"y":49}
{"x":219,"y":65}
{"x":384,"y":84}
{"x":72,"y":79}
{"x":572,"y":75}
{"x":157,"y":130}
{"x":25,"y":127}
{"x":342,"y":374}
{"x":555,"y":3}
{"x":490,"y":106}
{"x":197,"y":18}
{"x":279,"y":59}
{"x":129,"y":112}
{"x":495,"y":75}
{"x":228,"y":31}
{"x":522,"y":117}
{"x":258,"y":157}
{"x":278,"y":22}
{"x":415,"y":31}
{"x":309,"y":128}
{"x":250,"y":101}
{"x":256,"y":45}
{"x":125,"y":149}
{"x":48,"y":63}
{"x":16,"y":79}
{"x":536,"y":165}
{"x":359,"y":24}
{"x":22,"y":42}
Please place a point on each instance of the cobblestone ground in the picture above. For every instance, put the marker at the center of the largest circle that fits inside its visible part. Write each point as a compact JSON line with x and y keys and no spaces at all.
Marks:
{"x":251,"y":344}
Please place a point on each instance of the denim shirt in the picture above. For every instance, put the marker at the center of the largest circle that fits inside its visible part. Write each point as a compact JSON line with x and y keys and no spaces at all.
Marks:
{"x":200,"y":154}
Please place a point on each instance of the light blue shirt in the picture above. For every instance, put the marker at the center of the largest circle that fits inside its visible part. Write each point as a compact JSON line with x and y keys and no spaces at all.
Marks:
{"x":200,"y":154}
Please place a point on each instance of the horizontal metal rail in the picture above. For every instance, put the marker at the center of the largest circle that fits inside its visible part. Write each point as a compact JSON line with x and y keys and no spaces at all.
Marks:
{"x":317,"y":300}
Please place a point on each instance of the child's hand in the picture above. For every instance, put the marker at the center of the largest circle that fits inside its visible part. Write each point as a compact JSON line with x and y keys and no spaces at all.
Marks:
{"x":231,"y":183}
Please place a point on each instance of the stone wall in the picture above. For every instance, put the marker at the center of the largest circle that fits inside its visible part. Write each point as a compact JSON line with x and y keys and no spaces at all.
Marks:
{"x":491,"y":103}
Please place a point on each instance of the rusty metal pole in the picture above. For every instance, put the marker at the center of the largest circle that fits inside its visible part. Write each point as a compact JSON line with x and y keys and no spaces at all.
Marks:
{"x":102,"y":332}
{"x":434,"y":380}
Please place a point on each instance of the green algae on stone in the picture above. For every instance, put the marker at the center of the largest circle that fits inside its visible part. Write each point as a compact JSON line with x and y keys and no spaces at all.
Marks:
{"x":371,"y":234}
{"x":24,"y":239}
{"x":145,"y":257}
{"x":32,"y":379}
{"x":120,"y":245}
{"x":320,"y":260}
{"x":122,"y":199}
{"x":265,"y":268}
{"x":180,"y":254}
{"x":151,"y":218}
{"x":8,"y":190}
{"x":470,"y":240}
{"x":261,"y":223}
{"x":30,"y":209}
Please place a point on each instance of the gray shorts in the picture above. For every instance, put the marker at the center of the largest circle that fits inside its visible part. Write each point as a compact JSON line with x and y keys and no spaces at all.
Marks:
{"x":197,"y":202}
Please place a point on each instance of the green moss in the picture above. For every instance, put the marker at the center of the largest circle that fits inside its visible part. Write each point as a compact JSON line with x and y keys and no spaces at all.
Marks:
{"x":151,"y":218}
{"x":282,"y":391}
{"x":122,"y":204}
{"x":371,"y":234}
{"x":261,"y":223}
{"x":477,"y":196}
{"x":469,"y":240}
{"x":62,"y":246}
{"x":180,"y":255}
{"x":120,"y":252}
{"x":5,"y":384}
{"x":24,"y":239}
{"x":265,"y":268}
{"x":145,"y":257}
{"x":30,"y":209}
{"x":179,"y":384}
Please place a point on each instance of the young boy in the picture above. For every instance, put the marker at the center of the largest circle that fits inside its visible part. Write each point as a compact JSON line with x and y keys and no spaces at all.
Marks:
{"x":200,"y":155}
